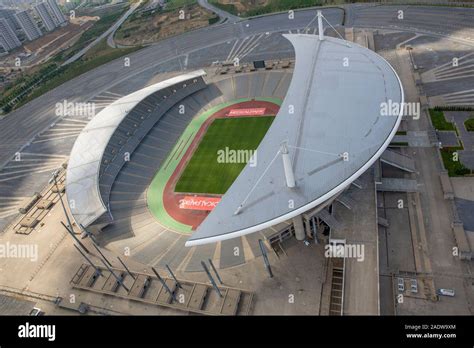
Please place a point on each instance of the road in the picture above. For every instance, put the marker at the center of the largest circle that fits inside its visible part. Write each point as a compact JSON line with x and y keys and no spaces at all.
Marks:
{"x":110,"y":38}
{"x":222,"y":14}
{"x":108,"y":32}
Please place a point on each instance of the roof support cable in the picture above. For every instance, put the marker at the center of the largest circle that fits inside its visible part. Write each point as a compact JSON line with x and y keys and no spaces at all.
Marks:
{"x":239,"y":208}
{"x":311,"y":150}
{"x":347,"y":43}
{"x":310,"y":22}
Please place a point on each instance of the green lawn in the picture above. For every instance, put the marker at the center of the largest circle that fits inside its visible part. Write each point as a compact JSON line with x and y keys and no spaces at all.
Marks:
{"x":174,"y":4}
{"x":254,"y":9}
{"x":204,"y":173}
{"x":469,"y":125}
{"x":454,"y":168}
{"x":439,"y":121}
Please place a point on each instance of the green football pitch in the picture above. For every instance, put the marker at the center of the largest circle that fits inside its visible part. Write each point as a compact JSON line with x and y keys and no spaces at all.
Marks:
{"x":205,"y":173}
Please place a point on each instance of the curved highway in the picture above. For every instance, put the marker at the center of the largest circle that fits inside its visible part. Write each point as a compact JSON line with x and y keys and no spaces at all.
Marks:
{"x":222,"y":14}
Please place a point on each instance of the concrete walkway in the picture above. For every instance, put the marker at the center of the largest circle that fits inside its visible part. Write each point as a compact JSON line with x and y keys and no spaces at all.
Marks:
{"x":361,"y":289}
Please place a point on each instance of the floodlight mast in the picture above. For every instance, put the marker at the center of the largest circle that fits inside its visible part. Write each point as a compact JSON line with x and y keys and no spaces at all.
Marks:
{"x":54,"y":179}
{"x":320,"y":26}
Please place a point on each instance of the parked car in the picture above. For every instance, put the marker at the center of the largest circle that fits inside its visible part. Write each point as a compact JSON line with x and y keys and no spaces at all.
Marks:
{"x":401,"y":285}
{"x":445,"y":292}
{"x":36,"y":312}
{"x":414,"y":286}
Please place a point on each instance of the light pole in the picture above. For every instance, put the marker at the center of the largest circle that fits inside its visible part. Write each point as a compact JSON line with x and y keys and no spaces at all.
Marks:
{"x":265,"y":258}
{"x":54,"y":179}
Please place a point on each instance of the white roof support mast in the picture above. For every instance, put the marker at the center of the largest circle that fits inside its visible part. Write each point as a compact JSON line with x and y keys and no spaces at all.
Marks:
{"x":320,"y":26}
{"x":287,"y":167}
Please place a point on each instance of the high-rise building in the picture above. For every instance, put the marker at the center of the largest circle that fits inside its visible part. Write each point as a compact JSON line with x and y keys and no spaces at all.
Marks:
{"x":8,"y":14}
{"x":8,"y":38}
{"x":55,"y":12}
{"x":43,"y":12}
{"x":28,"y":25}
{"x":50,"y":14}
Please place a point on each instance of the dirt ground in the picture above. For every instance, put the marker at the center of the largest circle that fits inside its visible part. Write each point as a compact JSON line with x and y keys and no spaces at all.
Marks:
{"x":148,"y":29}
{"x":245,"y":5}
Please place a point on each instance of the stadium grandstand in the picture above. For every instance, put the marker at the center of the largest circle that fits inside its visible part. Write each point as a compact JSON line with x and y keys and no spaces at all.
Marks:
{"x":110,"y":192}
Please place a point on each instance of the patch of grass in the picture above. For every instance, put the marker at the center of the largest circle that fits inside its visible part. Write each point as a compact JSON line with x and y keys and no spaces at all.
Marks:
{"x":469,"y":124}
{"x":439,"y":121}
{"x":272,"y":6}
{"x":283,"y":5}
{"x":175,"y":4}
{"x":24,"y":85}
{"x":213,"y":20}
{"x":454,"y":167}
{"x":203,"y":173}
{"x":152,"y":25}
{"x":401,"y":133}
{"x":230,"y":8}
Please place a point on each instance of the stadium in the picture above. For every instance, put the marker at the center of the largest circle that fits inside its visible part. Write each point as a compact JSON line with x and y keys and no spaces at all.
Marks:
{"x":261,"y":165}
{"x":291,"y":137}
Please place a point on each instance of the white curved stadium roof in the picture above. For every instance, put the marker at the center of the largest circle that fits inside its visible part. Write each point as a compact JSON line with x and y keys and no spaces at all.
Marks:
{"x":336,"y":92}
{"x":82,"y":185}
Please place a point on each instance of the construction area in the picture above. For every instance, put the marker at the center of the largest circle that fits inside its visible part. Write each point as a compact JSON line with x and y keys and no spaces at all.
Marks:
{"x":146,"y":27}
